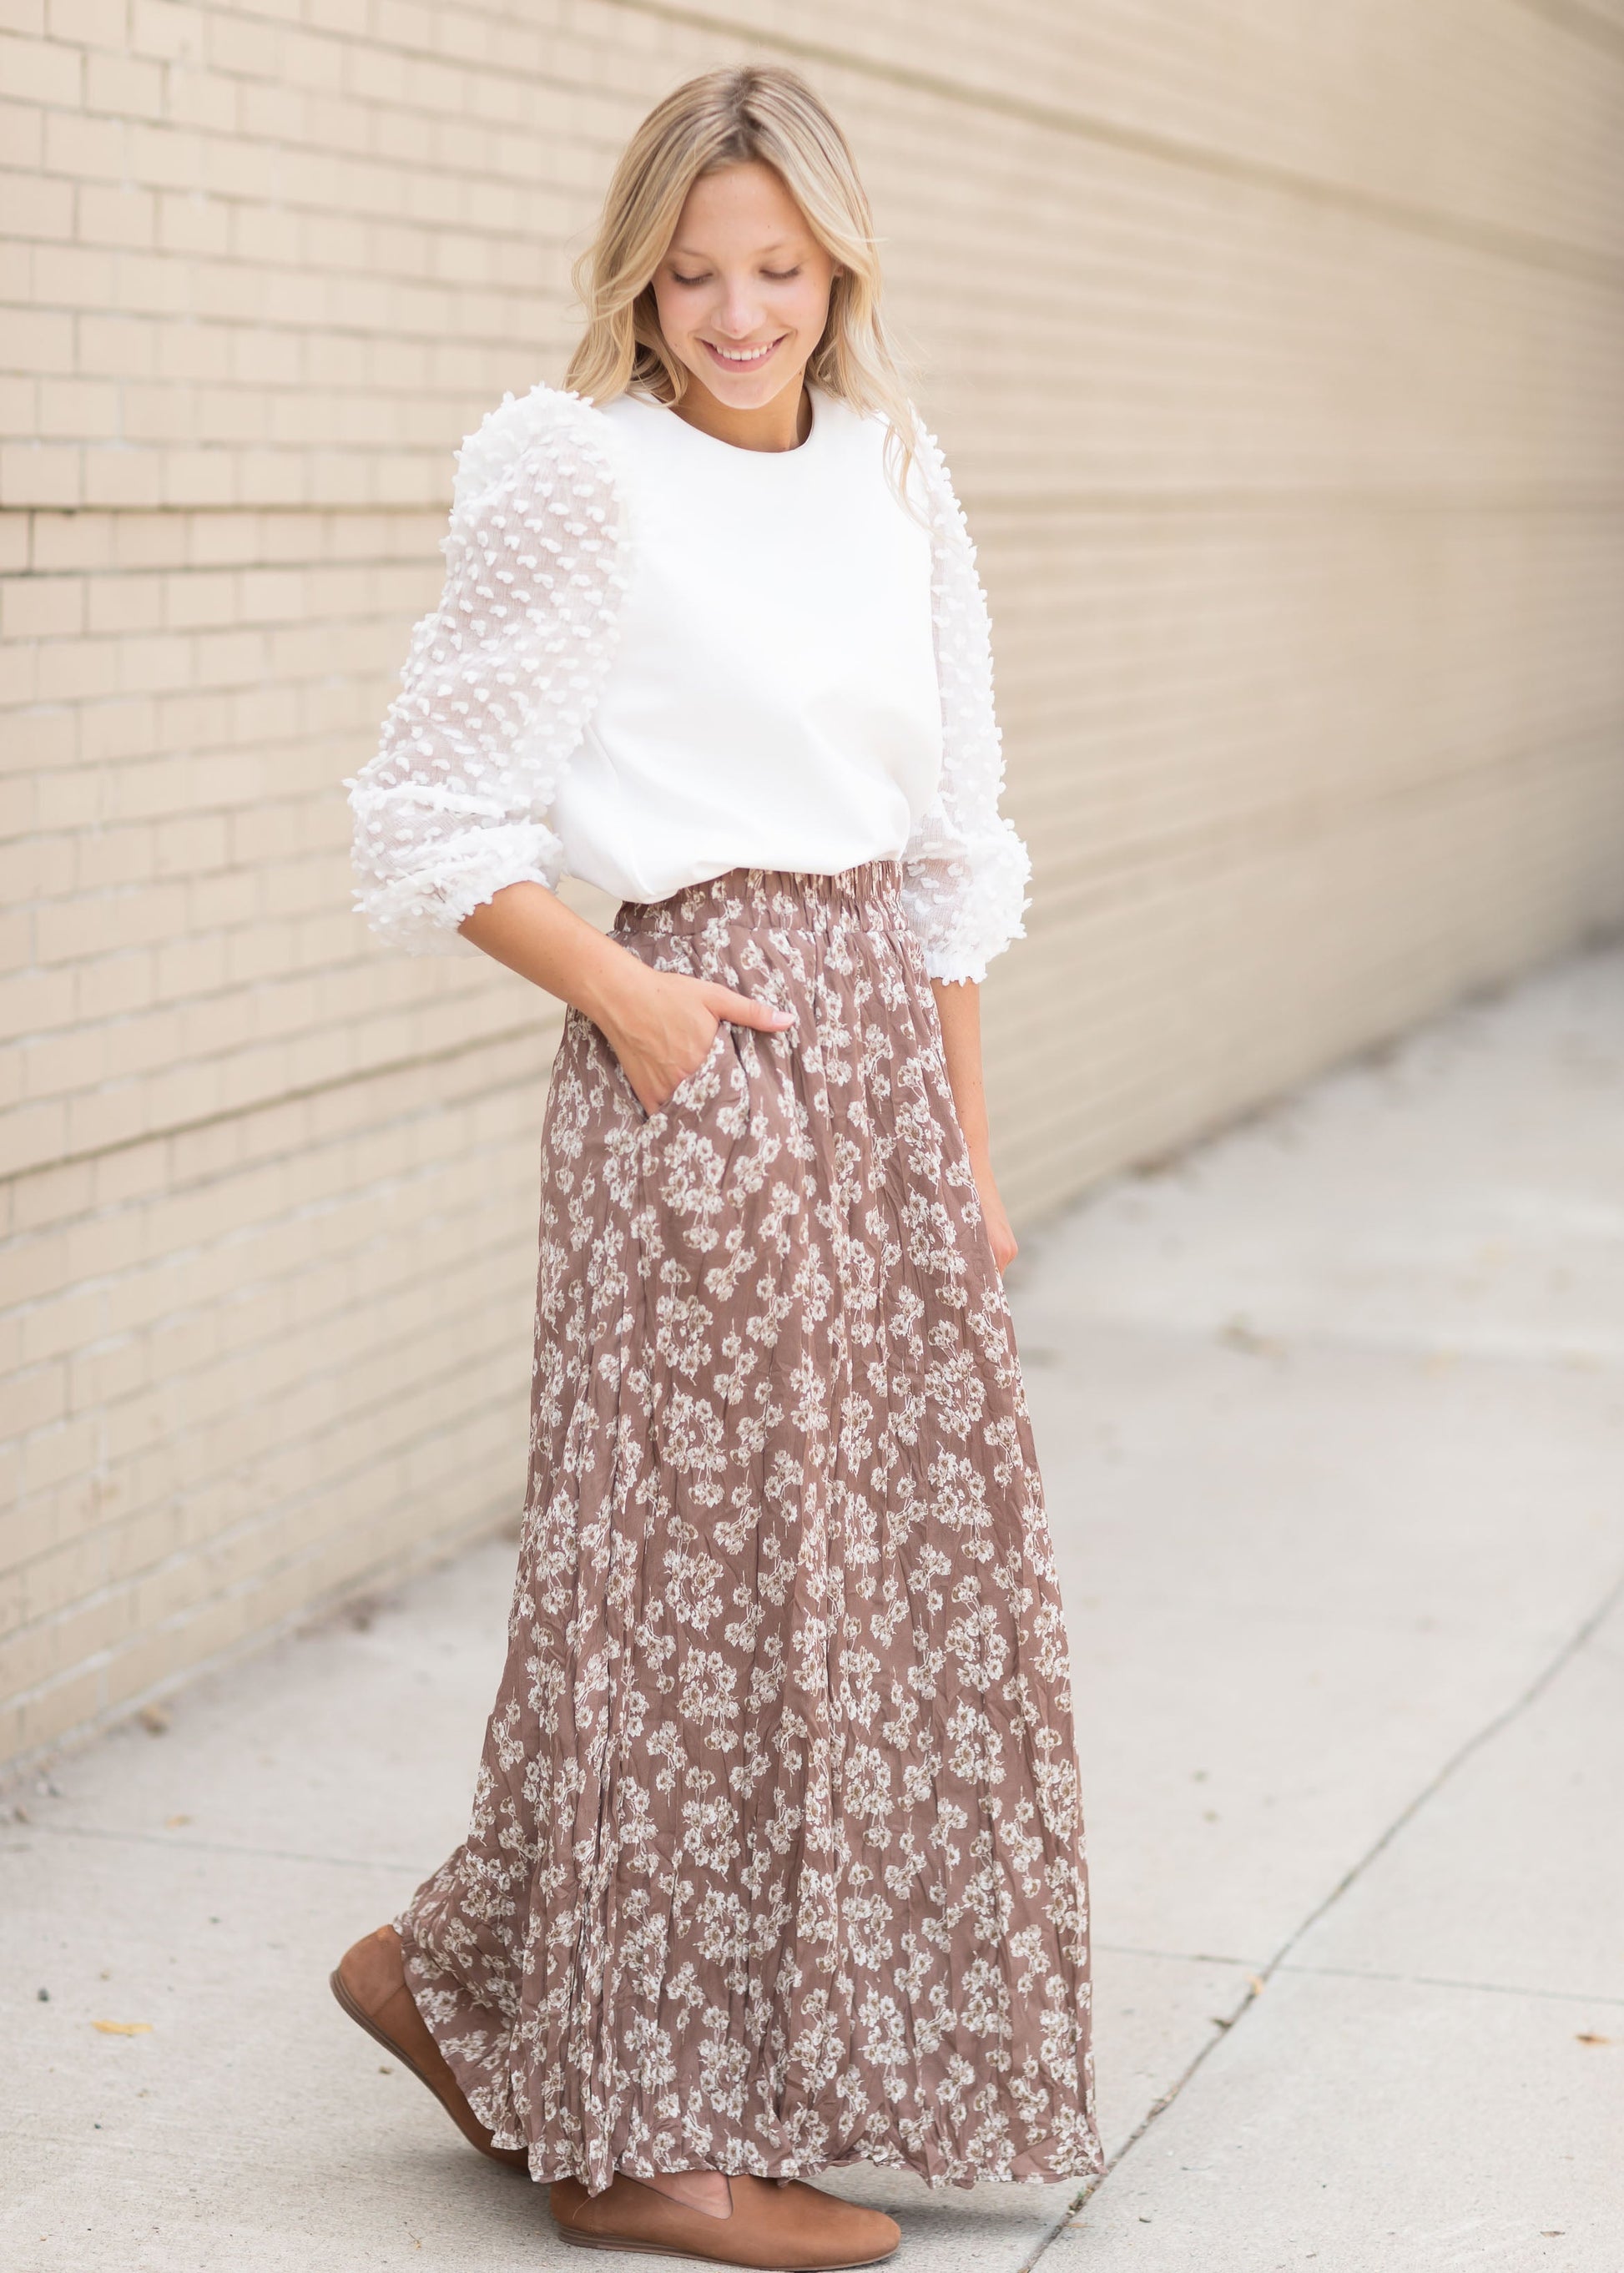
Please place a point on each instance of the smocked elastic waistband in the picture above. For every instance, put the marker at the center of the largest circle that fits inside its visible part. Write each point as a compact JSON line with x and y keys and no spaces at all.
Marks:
{"x":781,"y":895}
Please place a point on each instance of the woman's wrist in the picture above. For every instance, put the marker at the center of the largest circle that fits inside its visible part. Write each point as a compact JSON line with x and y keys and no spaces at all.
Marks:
{"x":608,"y":982}
{"x":986,"y":1182}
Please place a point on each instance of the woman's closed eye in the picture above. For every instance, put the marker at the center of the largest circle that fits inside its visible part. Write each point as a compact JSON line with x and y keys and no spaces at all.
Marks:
{"x":772,"y":275}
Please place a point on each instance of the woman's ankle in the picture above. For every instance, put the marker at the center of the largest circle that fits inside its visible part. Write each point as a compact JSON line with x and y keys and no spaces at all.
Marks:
{"x":701,"y":2190}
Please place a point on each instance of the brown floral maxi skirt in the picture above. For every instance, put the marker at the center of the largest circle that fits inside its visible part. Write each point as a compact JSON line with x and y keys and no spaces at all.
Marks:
{"x":775,"y":1857}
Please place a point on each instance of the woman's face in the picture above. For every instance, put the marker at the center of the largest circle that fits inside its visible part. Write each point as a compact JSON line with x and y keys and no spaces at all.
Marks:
{"x":743,"y":290}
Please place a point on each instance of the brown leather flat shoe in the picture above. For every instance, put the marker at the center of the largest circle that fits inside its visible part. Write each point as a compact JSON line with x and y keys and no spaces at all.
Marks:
{"x":371,"y":1986}
{"x":788,"y":2229}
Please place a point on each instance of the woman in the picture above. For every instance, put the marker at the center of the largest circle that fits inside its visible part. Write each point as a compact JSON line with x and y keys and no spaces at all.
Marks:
{"x":775,"y":1861}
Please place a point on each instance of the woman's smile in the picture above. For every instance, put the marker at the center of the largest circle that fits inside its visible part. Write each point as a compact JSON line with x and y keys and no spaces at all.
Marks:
{"x":742,"y":358}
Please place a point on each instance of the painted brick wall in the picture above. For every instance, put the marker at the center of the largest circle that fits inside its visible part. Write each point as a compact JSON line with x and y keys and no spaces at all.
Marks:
{"x":1279,"y":354}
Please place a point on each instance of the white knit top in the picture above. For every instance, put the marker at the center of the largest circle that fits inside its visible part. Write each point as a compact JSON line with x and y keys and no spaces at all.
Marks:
{"x":657,"y":656}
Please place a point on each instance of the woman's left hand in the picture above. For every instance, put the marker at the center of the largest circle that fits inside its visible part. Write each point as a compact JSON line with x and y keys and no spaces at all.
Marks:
{"x":1003,"y":1246}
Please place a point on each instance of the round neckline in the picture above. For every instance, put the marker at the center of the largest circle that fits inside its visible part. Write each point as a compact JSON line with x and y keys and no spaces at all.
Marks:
{"x":738,"y":449}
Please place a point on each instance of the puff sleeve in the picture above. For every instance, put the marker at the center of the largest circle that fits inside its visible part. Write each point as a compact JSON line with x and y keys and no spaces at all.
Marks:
{"x":500,"y":680}
{"x":965,"y":869}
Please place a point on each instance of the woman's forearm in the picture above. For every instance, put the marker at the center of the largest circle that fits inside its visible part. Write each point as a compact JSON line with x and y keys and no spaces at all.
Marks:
{"x":959,"y":1007}
{"x":531,"y":930}
{"x":659,"y":1023}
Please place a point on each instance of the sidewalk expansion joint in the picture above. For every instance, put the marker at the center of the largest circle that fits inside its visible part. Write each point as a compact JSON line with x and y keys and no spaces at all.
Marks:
{"x":1490,"y":1728}
{"x":173,"y":1841}
{"x":1449,"y":1980}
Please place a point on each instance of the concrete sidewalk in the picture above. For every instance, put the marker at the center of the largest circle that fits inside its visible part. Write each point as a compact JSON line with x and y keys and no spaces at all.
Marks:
{"x":1332,"y":1420}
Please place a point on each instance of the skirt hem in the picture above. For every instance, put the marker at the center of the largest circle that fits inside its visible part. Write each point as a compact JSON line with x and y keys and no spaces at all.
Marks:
{"x":935,"y":2176}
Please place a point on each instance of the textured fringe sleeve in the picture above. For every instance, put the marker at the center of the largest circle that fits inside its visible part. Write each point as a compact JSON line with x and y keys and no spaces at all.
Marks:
{"x":964,"y":870}
{"x":499,"y":681}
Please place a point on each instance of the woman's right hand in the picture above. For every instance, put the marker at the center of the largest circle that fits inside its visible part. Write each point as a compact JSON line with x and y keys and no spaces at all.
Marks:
{"x":661,"y":1024}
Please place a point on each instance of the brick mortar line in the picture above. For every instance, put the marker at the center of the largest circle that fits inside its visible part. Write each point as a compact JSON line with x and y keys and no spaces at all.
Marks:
{"x":354,"y":1401}
{"x":1262,"y":829}
{"x":291,"y":1501}
{"x":1522,"y":246}
{"x":1526,"y":247}
{"x":305,"y":1095}
{"x":291,"y":1389}
{"x":331,"y":1200}
{"x":1307,"y":499}
{"x":1569,"y":15}
{"x":1007,"y":506}
{"x":411,"y":1176}
{"x":1459,"y":230}
{"x":245,"y":1529}
{"x":431,"y":1553}
{"x":1261,"y":497}
{"x":272,"y":507}
{"x":1589,"y":1625}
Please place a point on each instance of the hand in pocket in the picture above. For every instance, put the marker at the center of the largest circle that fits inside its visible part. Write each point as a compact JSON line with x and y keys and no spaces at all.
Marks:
{"x":662,"y":1026}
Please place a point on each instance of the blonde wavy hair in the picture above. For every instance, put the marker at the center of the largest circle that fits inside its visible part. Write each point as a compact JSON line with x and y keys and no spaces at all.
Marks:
{"x":759,"y":112}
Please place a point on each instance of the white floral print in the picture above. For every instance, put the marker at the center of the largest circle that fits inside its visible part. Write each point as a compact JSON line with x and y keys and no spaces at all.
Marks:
{"x":776,"y":1857}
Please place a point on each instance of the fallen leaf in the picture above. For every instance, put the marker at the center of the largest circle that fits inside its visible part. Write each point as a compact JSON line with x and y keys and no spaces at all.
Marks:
{"x":1586,"y":2037}
{"x":174,"y":1822}
{"x":123,"y":2028}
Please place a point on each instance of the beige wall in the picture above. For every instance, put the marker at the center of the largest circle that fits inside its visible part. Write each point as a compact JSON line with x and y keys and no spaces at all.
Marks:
{"x":1280,"y":354}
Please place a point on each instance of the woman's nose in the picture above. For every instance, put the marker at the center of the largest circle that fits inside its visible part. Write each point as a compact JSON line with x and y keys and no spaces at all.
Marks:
{"x":740,"y":314}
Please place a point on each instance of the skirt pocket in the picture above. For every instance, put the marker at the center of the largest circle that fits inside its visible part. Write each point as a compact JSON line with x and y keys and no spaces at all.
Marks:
{"x":719,"y":1081}
{"x":690,"y":1094}
{"x":686,"y":1149}
{"x":695,"y":1089}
